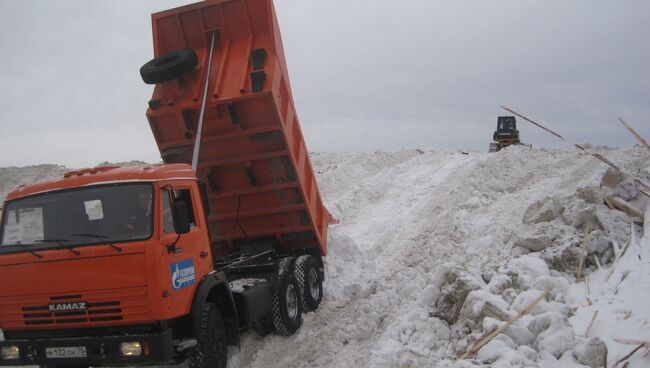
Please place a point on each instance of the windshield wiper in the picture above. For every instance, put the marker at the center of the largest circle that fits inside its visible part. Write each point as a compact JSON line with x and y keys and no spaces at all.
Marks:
{"x":61,"y":246}
{"x":99,"y":236}
{"x":37,"y":255}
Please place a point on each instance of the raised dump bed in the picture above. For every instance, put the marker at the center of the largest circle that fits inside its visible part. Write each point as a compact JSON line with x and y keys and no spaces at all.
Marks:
{"x":252,"y":158}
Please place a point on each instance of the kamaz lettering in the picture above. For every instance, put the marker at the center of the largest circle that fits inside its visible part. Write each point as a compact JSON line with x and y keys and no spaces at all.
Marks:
{"x":64,"y":307}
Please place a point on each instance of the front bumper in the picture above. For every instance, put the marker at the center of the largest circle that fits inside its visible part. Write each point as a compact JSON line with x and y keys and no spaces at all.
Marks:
{"x":104,"y":350}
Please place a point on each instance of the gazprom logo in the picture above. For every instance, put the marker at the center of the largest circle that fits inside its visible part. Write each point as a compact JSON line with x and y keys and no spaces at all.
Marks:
{"x":183,"y":274}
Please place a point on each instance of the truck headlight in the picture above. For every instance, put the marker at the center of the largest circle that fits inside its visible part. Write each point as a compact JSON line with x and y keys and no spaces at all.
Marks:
{"x":11,"y":352}
{"x":131,"y":348}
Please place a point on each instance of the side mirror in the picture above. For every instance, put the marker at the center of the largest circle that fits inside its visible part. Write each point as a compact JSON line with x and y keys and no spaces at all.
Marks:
{"x":181,"y":217}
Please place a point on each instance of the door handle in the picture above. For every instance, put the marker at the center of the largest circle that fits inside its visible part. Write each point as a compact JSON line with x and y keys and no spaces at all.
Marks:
{"x":172,"y":248}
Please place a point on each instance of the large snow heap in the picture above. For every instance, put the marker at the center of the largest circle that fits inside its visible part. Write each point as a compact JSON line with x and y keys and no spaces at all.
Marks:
{"x":437,"y":249}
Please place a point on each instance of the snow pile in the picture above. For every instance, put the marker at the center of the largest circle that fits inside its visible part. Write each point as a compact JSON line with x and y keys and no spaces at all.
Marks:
{"x":13,"y":177}
{"x":554,"y":331}
{"x":613,"y":303}
{"x":437,"y":249}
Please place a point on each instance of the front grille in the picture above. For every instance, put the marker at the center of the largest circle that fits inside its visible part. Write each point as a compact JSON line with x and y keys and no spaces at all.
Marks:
{"x":94,"y":312}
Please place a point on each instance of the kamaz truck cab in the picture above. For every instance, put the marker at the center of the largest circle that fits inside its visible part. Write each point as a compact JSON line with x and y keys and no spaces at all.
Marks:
{"x":98,"y":265}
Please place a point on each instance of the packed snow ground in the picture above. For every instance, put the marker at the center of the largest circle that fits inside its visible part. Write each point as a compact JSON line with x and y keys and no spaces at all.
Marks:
{"x":437,"y":248}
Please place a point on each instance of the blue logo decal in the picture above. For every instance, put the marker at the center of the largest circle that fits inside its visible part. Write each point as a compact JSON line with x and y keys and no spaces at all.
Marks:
{"x":183,"y":274}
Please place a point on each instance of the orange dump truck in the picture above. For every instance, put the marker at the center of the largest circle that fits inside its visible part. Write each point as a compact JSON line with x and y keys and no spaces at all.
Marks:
{"x":159,"y":264}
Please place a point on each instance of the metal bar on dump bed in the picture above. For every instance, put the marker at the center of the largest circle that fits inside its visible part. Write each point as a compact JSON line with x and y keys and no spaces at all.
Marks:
{"x":248,"y":259}
{"x":204,"y":101}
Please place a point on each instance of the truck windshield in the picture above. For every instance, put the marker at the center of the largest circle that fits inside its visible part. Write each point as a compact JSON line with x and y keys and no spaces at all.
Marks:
{"x":93,"y":215}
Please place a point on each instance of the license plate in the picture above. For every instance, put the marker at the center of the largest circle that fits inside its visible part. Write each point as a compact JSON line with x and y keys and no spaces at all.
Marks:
{"x":66,"y":352}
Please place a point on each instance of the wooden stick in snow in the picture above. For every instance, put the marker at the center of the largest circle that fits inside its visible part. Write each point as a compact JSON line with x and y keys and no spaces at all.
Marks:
{"x":593,"y":319}
{"x":597,"y":261}
{"x":583,"y":148}
{"x":625,"y":206}
{"x":632,"y":238}
{"x":476,"y":347}
{"x":647,"y":194}
{"x":620,"y":253}
{"x":639,"y":181}
{"x":617,"y":257}
{"x":635,"y":134}
{"x":616,"y":248}
{"x":630,"y":354}
{"x":485,"y":335}
{"x":631,"y":341}
{"x":534,"y":123}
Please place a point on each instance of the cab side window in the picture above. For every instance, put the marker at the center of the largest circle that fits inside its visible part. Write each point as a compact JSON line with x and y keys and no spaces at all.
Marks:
{"x":184,"y":195}
{"x":179,"y":194}
{"x":168,"y":220}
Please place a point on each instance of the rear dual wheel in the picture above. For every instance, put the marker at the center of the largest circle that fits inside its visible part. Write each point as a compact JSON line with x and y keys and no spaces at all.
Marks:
{"x":286,"y":309}
{"x":309,"y":282}
{"x":300,"y":290}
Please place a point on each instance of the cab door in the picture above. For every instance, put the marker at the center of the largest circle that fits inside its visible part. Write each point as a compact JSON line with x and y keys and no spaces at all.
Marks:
{"x":187,"y":257}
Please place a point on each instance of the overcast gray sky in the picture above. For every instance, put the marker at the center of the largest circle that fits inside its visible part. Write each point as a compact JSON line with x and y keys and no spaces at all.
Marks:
{"x":366,"y":75}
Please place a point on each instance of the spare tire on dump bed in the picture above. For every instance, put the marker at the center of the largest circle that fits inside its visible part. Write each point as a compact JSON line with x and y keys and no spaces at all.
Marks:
{"x":169,"y":66}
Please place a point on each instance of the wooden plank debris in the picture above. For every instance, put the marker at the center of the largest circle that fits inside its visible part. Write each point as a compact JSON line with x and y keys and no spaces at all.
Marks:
{"x":591,"y":323}
{"x":597,"y":261}
{"x":617,"y":256}
{"x":640,"y":345}
{"x":482,"y":342}
{"x":644,"y":188}
{"x":581,"y":147}
{"x":635,"y":134}
{"x":623,"y":205}
{"x":618,"y":253}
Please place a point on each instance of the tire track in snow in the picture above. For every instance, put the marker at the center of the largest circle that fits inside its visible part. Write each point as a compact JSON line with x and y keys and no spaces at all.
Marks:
{"x":354,"y":324}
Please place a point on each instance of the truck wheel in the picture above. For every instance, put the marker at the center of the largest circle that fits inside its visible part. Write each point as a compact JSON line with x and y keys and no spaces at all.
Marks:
{"x":285,"y":265}
{"x":211,"y":350}
{"x":309,"y":282}
{"x":169,"y":66}
{"x":286,"y":310}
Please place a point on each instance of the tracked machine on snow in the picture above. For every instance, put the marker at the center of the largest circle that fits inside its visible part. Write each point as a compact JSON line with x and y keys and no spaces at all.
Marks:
{"x":506,"y":133}
{"x":158,"y":264}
